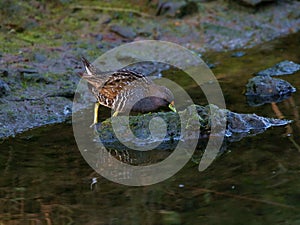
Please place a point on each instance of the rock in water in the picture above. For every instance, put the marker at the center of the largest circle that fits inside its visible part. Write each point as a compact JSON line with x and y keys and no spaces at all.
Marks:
{"x":238,"y":126}
{"x":283,"y":68}
{"x":265,"y":89}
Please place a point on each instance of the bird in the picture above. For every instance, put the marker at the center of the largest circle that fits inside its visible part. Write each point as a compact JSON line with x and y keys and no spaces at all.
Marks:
{"x":125,"y":90}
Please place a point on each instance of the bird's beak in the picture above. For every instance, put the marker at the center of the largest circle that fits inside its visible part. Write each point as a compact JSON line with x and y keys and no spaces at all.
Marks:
{"x":172,"y":106}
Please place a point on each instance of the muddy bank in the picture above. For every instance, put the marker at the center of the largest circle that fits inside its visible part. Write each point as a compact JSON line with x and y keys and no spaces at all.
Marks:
{"x":42,"y":42}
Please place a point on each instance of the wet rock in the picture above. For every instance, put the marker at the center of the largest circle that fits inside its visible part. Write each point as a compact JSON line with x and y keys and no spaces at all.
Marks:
{"x":99,"y":37}
{"x":126,"y":32}
{"x":19,"y":116}
{"x":4,"y":88}
{"x":57,"y":36}
{"x":176,"y":8}
{"x":265,"y":89}
{"x":148,"y":68}
{"x":238,"y":126}
{"x":238,"y":54}
{"x":107,"y":20}
{"x":30,"y":24}
{"x":27,"y":70}
{"x":283,"y":68}
{"x":221,"y":30}
{"x":147,"y":30}
{"x":67,"y":110}
{"x":211,"y":65}
{"x":243,"y":125}
{"x":37,"y":78}
{"x":3,"y":72}
{"x":40,"y":57}
{"x":64,"y":92}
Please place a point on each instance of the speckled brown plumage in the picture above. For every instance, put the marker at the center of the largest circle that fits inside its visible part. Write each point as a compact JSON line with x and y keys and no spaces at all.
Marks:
{"x":121,"y":90}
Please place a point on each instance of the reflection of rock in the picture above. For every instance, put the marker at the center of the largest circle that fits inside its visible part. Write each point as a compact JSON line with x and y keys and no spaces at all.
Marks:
{"x":283,"y":68}
{"x":265,"y":89}
{"x":237,"y":127}
{"x":176,"y":8}
{"x":254,"y":2}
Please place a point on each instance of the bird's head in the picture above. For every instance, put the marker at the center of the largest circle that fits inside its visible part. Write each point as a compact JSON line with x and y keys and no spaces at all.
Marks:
{"x":172,"y":106}
{"x":166,"y":94}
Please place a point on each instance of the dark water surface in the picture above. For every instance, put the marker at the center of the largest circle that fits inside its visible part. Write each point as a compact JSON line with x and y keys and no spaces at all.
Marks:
{"x":45,"y":180}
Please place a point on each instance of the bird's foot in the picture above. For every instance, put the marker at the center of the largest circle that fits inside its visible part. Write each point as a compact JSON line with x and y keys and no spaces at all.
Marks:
{"x":93,"y":125}
{"x":96,"y":127}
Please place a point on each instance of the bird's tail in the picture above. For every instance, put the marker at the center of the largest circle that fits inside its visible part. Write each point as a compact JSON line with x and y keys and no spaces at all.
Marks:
{"x":90,"y":69}
{"x":91,"y":73}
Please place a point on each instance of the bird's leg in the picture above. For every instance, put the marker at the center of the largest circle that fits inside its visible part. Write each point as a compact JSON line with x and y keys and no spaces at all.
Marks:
{"x":115,"y":113}
{"x":96,"y":108}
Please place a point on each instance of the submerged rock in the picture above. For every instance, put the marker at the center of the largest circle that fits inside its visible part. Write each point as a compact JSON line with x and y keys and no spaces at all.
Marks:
{"x":238,"y":54}
{"x":283,"y":68}
{"x":265,"y":89}
{"x":194,"y":123}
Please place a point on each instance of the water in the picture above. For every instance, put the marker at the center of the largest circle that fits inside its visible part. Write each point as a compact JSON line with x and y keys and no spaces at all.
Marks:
{"x":45,"y":180}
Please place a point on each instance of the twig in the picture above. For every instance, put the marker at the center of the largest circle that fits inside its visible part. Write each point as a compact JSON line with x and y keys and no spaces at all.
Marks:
{"x":289,"y":129}
{"x":294,"y":142}
{"x":295,"y":110}
{"x":9,"y":160}
{"x":138,"y":13}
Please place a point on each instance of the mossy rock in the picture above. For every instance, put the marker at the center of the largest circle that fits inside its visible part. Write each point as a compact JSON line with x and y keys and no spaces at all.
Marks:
{"x":192,"y":124}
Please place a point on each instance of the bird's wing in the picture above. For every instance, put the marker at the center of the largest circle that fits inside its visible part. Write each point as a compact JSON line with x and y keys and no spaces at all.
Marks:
{"x":123,"y":80}
{"x":120,"y":82}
